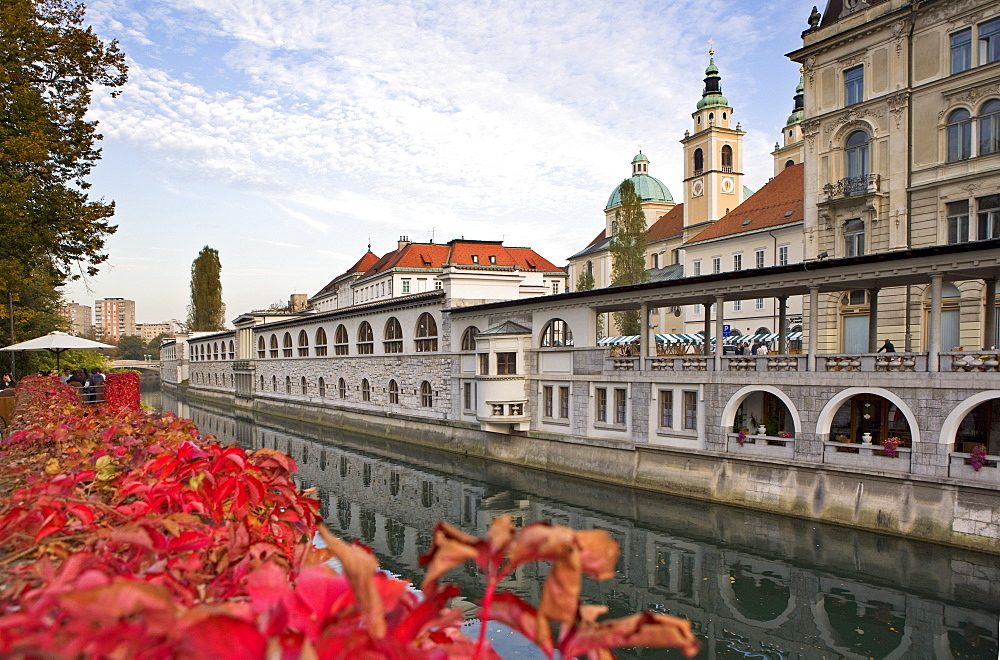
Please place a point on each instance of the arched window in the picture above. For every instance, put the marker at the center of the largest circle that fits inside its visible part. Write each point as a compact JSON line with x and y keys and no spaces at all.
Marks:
{"x":393,"y":336}
{"x":215,"y":350}
{"x":366,"y":390}
{"x":393,"y":392}
{"x":320,"y":342}
{"x":288,"y":384}
{"x":286,"y":345}
{"x":959,"y":135}
{"x":340,"y":341}
{"x":203,"y":352}
{"x":556,"y":334}
{"x":426,"y":334}
{"x":856,"y":155}
{"x":274,"y":346}
{"x":321,"y":386}
{"x":426,"y":395}
{"x":989,"y":127}
{"x":305,"y":387}
{"x":789,"y":163}
{"x":366,"y":339}
{"x":262,"y":383}
{"x":699,"y":161}
{"x":274,"y":383}
{"x":342,"y":388}
{"x":232,"y":350}
{"x":469,"y":338}
{"x":303,"y":344}
{"x":727,"y":158}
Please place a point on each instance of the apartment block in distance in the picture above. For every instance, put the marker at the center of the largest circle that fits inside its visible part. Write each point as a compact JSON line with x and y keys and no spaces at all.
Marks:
{"x":79,"y":318}
{"x":114,"y":318}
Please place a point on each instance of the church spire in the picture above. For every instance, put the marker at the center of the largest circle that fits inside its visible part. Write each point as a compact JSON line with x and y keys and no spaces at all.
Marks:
{"x":712,"y":96}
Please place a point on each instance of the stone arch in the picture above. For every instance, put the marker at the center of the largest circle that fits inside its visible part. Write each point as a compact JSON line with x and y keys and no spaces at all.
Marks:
{"x":949,"y":429}
{"x":825,"y":419}
{"x":729,"y":412}
{"x":727,"y":592}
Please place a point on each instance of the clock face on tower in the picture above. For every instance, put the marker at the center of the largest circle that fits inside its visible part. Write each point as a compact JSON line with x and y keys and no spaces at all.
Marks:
{"x":698,"y":188}
{"x":728,"y":185}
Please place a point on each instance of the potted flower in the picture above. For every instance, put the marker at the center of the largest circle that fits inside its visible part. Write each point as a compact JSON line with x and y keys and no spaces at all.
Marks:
{"x":977,"y":459}
{"x":785,"y":434}
{"x":890,"y":446}
{"x":741,"y":437}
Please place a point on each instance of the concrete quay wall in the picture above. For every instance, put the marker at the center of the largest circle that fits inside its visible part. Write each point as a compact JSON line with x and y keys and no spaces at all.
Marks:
{"x":930,"y":508}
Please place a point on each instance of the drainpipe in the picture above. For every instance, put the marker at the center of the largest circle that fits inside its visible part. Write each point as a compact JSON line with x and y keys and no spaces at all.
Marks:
{"x":908,"y":329}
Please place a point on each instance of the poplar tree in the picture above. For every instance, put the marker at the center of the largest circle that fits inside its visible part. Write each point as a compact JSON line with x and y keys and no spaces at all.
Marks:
{"x":628,"y":252}
{"x":206,"y":312}
{"x":586,"y":281}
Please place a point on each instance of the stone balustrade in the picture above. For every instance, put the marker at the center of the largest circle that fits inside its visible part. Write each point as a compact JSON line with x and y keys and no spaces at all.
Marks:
{"x":870,"y":456}
{"x":960,"y":468}
{"x":762,"y":445}
{"x":971,"y":361}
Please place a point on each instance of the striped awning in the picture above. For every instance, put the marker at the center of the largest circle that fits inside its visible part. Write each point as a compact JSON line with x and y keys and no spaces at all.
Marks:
{"x":617,"y":341}
{"x":679,"y":338}
{"x":766,"y":338}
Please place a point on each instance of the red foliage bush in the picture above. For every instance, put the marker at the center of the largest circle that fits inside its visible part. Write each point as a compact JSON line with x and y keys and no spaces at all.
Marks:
{"x":121,"y":390}
{"x":135,"y":536}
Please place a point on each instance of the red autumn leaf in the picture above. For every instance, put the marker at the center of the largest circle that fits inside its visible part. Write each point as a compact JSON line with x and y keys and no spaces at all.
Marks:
{"x":518,"y":615}
{"x":645,"y":629}
{"x":561,"y":591}
{"x":221,"y":637}
{"x":359,"y":567}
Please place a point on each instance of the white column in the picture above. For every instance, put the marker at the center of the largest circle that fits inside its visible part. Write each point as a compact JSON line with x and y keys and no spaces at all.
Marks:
{"x":783,"y":325}
{"x":719,"y":350}
{"x":812,"y":329}
{"x":990,"y":314}
{"x":934,"y":324}
{"x":643,"y":332}
{"x":872,"y":320}
{"x":707,"y":349}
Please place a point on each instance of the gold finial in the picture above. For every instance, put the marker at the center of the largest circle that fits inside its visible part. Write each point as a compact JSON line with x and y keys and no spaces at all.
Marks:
{"x":802,"y":69}
{"x":711,"y":47}
{"x":640,"y":147}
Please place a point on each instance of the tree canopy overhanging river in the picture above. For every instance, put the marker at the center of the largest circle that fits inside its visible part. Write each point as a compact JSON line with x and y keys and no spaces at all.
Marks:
{"x":754,"y":585}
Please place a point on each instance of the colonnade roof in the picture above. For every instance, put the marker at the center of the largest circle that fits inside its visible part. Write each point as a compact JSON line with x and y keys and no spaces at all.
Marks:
{"x":967,"y":261}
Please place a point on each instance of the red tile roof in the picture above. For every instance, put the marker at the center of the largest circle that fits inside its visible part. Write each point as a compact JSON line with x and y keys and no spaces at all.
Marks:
{"x":362,"y":265}
{"x":778,"y":203}
{"x":668,"y":225}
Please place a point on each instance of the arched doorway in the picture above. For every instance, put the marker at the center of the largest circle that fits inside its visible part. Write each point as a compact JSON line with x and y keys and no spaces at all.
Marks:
{"x":870,"y":413}
{"x":767,"y":409}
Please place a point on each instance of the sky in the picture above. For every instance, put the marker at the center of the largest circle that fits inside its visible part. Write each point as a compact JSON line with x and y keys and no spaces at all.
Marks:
{"x":288,"y":134}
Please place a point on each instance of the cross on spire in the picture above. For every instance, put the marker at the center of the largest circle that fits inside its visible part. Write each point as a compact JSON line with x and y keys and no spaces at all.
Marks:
{"x":711,"y":47}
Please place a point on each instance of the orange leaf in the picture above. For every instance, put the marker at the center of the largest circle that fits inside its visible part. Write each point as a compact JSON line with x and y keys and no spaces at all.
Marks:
{"x":646,"y":629}
{"x":599,"y":553}
{"x":561,"y":591}
{"x":359,"y":567}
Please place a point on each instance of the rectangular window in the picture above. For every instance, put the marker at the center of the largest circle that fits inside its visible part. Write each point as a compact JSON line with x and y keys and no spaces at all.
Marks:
{"x":961,"y":50}
{"x":716,"y":264}
{"x":666,"y":409}
{"x":601,"y":404}
{"x":758,"y":304}
{"x":697,"y":268}
{"x":620,"y":403}
{"x":484,"y":364}
{"x":854,"y":85}
{"x":759,"y":258}
{"x":555,"y":287}
{"x":656,"y":261}
{"x":506,"y":364}
{"x":737,"y":262}
{"x":406,"y":286}
{"x":783,"y":255}
{"x":989,"y":41}
{"x":988,"y":225}
{"x":547,"y":400}
{"x":691,"y":410}
{"x":854,"y":237}
{"x":958,"y":222}
{"x":467,"y":396}
{"x":737,"y":305}
{"x":564,"y":403}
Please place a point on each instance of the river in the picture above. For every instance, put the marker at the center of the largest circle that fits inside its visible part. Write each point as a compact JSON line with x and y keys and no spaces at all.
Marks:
{"x":754,"y":585}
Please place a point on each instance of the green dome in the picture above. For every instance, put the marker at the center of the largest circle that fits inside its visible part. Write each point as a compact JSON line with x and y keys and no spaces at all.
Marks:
{"x":712,"y":101}
{"x":794,"y":118}
{"x":649,"y":189}
{"x":711,"y":96}
{"x":640,"y":158}
{"x":711,"y":69}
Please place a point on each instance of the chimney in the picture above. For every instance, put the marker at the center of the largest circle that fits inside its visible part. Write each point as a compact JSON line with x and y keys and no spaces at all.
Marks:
{"x":298,"y":302}
{"x":402,"y":243}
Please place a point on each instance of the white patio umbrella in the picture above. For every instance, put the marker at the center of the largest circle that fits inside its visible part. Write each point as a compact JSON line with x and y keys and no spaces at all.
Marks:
{"x":56,"y":342}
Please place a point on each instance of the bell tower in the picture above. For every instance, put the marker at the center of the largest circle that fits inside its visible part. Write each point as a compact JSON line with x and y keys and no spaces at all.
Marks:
{"x":713,"y":157}
{"x":790,"y":152}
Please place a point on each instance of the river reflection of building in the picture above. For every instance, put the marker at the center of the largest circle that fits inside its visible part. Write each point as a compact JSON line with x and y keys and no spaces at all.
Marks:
{"x":751,"y":584}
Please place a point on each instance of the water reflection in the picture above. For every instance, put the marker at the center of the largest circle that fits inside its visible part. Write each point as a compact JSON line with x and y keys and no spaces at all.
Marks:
{"x":754,"y":585}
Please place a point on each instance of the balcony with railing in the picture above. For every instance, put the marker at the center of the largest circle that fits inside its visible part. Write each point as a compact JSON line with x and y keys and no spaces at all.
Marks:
{"x":853,"y":186}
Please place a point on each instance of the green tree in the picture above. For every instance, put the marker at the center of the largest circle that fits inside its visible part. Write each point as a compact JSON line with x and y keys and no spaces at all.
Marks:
{"x":628,"y":252}
{"x":206,"y":312}
{"x":51,"y":63}
{"x":153,"y":347}
{"x":36,"y":313}
{"x":131,"y":347}
{"x":586,"y":281}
